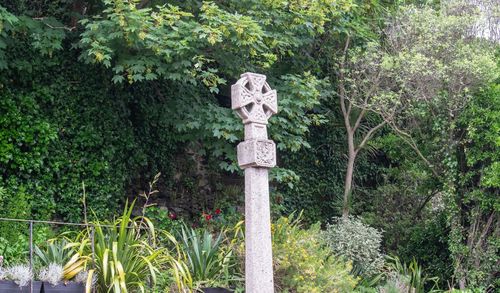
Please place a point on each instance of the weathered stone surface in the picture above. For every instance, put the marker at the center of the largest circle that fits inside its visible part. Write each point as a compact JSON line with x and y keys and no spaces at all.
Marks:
{"x":253,"y":98}
{"x":257,"y":153}
{"x":255,"y":130}
{"x":255,"y":102}
{"x":258,"y":245}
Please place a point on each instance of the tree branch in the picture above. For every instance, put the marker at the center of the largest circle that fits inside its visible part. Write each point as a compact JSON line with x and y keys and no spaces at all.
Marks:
{"x":342,"y":99}
{"x":342,"y":89}
{"x":360,"y":117}
{"x":41,"y":19}
{"x":426,"y":200}
{"x":369,"y":134}
{"x":485,"y":230}
{"x":409,"y":140}
{"x":143,"y":4}
{"x":346,"y":48}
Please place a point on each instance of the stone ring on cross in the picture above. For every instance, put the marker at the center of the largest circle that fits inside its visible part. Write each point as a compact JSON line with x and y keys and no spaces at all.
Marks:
{"x":253,"y":99}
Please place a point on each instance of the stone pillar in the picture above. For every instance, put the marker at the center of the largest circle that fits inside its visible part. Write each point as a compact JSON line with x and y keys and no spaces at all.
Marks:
{"x":255,"y":102}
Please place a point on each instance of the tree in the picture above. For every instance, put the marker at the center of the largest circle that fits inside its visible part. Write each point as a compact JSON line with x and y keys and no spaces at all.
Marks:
{"x":475,"y":207}
{"x":355,"y":83}
{"x":429,"y":61}
{"x":419,"y":80}
{"x":158,"y":78}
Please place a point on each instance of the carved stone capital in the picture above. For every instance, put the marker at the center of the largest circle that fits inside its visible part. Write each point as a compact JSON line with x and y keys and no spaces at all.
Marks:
{"x":257,"y":153}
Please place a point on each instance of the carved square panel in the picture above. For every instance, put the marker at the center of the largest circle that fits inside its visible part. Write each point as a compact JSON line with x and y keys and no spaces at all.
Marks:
{"x":257,"y":153}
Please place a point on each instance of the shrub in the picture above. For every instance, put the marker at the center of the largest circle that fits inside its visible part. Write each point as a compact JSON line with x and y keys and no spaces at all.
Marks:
{"x":56,"y":252}
{"x":303,"y":263}
{"x":3,"y":274}
{"x":16,"y":203}
{"x":356,"y":242}
{"x":470,"y":290}
{"x":164,"y":219}
{"x":428,"y":244}
{"x":14,"y":251}
{"x":82,"y":278}
{"x":410,"y":275}
{"x":202,"y":250}
{"x":52,"y":274}
{"x":206,"y":260}
{"x":20,"y":274}
{"x":124,"y":259}
{"x":67,"y":255}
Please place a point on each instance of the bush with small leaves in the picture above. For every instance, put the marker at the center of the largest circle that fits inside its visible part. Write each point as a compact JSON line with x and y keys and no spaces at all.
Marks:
{"x":303,"y":263}
{"x":357,"y":242}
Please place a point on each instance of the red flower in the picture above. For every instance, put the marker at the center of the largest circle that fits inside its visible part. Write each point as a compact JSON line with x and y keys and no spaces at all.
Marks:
{"x":218,"y":211}
{"x":172,"y":216}
{"x":208,"y":217}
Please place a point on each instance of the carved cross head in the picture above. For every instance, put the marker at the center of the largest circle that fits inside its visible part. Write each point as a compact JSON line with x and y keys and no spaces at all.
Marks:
{"x":253,"y":99}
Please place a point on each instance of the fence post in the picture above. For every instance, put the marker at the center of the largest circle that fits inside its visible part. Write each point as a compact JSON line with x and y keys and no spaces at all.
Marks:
{"x":31,"y":256}
{"x":92,"y":236}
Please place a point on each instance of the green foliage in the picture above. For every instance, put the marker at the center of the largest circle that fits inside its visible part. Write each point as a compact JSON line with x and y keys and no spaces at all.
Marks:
{"x":111,"y":92}
{"x":199,"y":42}
{"x":219,"y":219}
{"x":428,"y":244}
{"x":482,"y":140}
{"x":26,"y":138}
{"x":172,"y":41}
{"x":14,"y":251}
{"x":124,"y":260}
{"x":408,"y":277}
{"x":199,"y":46}
{"x":428,"y":63}
{"x":476,"y":191}
{"x":178,"y":59}
{"x":202,"y":252}
{"x":421,"y":80}
{"x":409,"y":212}
{"x":472,"y":290}
{"x":220,"y":128}
{"x":44,"y":34}
{"x":198,"y":259}
{"x":7,"y":23}
{"x":164,"y":220}
{"x":15,"y":204}
{"x":209,"y":258}
{"x":298,"y":96}
{"x":56,"y":252}
{"x":303,"y":263}
{"x":320,"y":171}
{"x":63,"y":253}
{"x":57,"y":133}
{"x":357,"y":242}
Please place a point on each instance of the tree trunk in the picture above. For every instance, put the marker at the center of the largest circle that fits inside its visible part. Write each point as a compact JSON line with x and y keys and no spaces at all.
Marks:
{"x":348,"y":174}
{"x":79,"y":7}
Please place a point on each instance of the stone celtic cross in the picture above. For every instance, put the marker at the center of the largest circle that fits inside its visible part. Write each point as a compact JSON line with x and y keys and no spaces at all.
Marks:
{"x":255,"y":101}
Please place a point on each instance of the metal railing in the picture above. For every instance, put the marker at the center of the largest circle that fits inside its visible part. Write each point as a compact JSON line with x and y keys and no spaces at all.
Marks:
{"x":31,"y":224}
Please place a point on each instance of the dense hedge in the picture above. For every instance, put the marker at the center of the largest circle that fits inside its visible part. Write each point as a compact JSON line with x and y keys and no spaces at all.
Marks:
{"x":63,"y":129}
